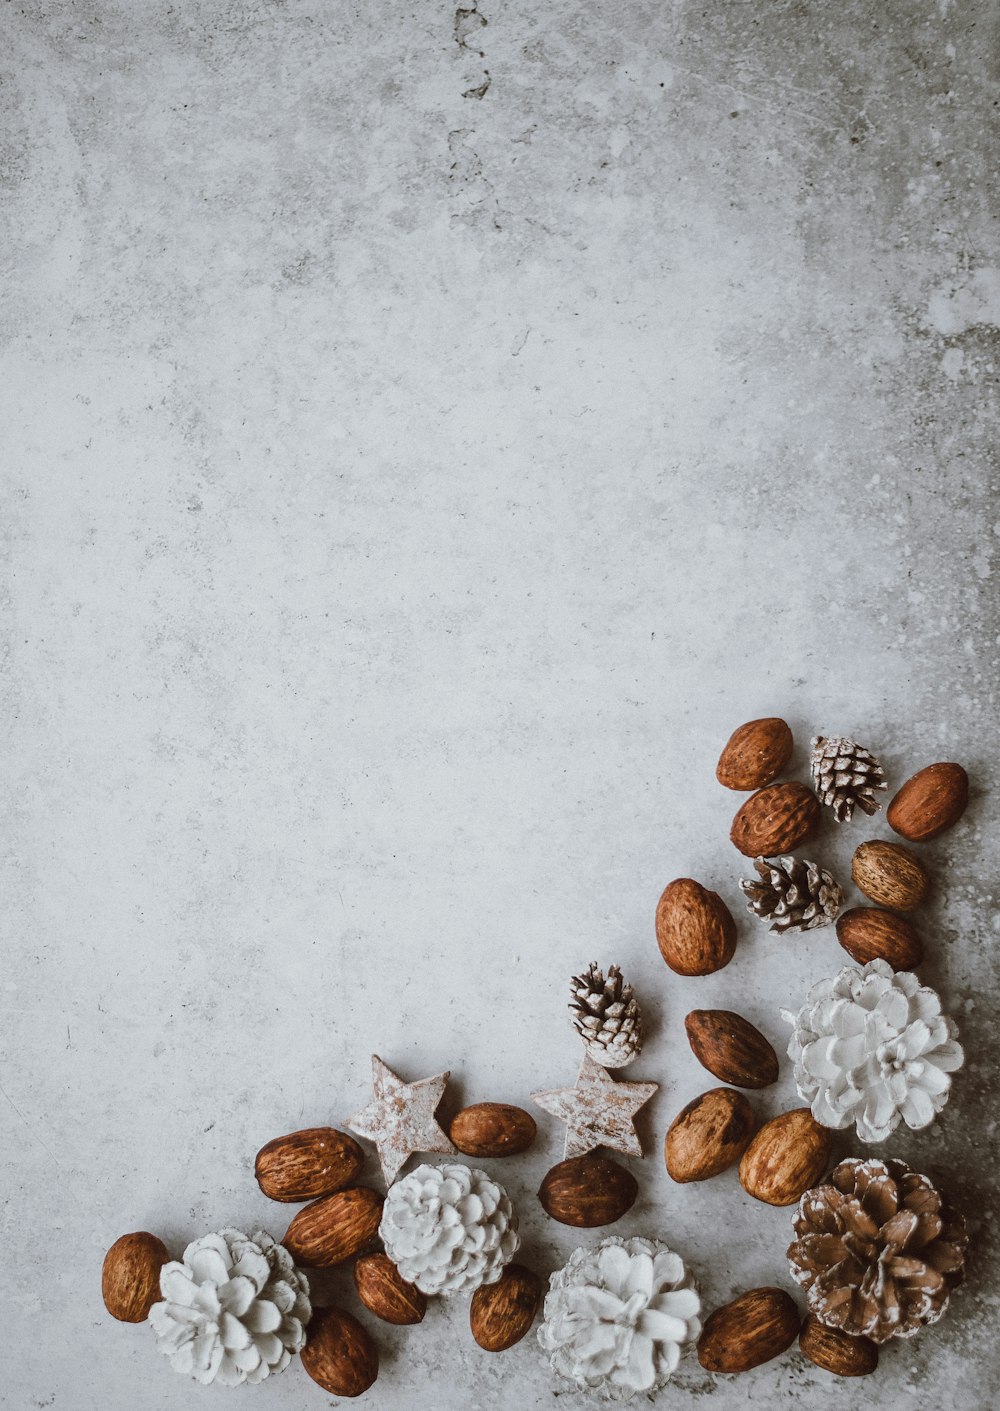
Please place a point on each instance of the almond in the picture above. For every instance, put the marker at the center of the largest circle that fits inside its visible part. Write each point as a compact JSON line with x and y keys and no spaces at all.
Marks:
{"x":836,"y":1351}
{"x":695,"y":929}
{"x":787,"y":1156}
{"x":868,"y":933}
{"x":492,"y":1129}
{"x":930,"y":802}
{"x":756,"y":753}
{"x":333,"y":1229}
{"x":586,"y":1191}
{"x":316,"y":1161}
{"x":708,"y":1135}
{"x":384,"y":1291}
{"x":752,"y":1329}
{"x":501,"y":1313}
{"x":889,"y":875}
{"x":130,"y":1278}
{"x":775,"y":820}
{"x":730,"y":1047}
{"x":339,"y":1354}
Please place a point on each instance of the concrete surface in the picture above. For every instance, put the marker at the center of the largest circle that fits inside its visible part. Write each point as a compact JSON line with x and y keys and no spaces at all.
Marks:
{"x":428,"y":434}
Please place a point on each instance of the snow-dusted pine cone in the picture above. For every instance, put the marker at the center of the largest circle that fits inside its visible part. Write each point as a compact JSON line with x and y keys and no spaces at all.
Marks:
{"x":448,"y":1228}
{"x":794,"y":895}
{"x":846,"y":775}
{"x":235,"y":1308}
{"x":873,"y":1048}
{"x":606,"y":1016}
{"x":618,"y":1316}
{"x":877,"y":1250}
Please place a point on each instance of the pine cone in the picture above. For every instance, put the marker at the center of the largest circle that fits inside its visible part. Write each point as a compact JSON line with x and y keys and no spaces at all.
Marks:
{"x":877,"y":1250}
{"x":235,"y":1309}
{"x":606,"y":1016}
{"x":846,"y":774}
{"x":618,"y":1316}
{"x":792,"y":894}
{"x":448,"y":1228}
{"x":873,"y":1048}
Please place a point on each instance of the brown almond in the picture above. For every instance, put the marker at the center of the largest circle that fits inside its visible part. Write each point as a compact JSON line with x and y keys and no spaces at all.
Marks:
{"x":500,"y":1314}
{"x":868,"y":933}
{"x":730,"y":1047}
{"x":929,"y":803}
{"x":787,"y":1156}
{"x":889,"y":875}
{"x":334,"y":1228}
{"x":316,"y":1161}
{"x":586,"y":1191}
{"x":776,"y":820}
{"x":384,"y":1291}
{"x":836,"y":1351}
{"x":755,"y":754}
{"x":695,"y":929}
{"x":130,"y":1278}
{"x":492,"y":1129}
{"x":748,"y":1331}
{"x":339,"y":1354}
{"x":709,"y":1135}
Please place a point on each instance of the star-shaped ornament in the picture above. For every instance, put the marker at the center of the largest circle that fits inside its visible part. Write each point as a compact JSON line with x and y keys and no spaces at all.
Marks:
{"x":400,"y":1118}
{"x":598,"y":1111}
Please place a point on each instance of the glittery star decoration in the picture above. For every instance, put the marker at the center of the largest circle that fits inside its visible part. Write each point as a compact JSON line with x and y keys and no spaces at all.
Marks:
{"x":400,"y":1118}
{"x":598,"y":1111}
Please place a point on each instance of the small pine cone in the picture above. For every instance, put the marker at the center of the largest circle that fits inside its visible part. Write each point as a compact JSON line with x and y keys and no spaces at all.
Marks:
{"x":606,"y":1016}
{"x":877,"y":1250}
{"x":846,"y":774}
{"x":794,"y":895}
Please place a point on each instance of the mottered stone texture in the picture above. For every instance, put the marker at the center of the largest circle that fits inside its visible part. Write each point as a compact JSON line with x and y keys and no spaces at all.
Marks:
{"x":428,"y":434}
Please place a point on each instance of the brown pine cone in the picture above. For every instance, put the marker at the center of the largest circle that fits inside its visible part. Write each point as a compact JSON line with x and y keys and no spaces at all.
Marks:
{"x":877,"y":1250}
{"x":794,"y":895}
{"x":846,"y":775}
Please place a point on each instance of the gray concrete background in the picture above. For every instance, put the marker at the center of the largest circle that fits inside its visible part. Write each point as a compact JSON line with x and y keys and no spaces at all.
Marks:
{"x":428,"y":435}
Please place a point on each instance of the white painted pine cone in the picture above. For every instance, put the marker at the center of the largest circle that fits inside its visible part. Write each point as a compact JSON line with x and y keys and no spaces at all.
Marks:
{"x":234,"y":1309}
{"x":618,"y":1316}
{"x":449,"y":1228}
{"x":873,"y":1048}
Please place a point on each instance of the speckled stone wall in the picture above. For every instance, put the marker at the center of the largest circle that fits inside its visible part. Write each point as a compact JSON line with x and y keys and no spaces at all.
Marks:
{"x":428,"y":434}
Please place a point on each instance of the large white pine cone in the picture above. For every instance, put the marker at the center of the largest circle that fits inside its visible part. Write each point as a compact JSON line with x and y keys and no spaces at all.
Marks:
{"x":235,"y":1308}
{"x":449,"y":1228}
{"x":873,"y":1048}
{"x":618,"y":1316}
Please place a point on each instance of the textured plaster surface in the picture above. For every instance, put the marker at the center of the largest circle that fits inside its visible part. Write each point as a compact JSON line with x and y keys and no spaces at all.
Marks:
{"x":428,"y":433}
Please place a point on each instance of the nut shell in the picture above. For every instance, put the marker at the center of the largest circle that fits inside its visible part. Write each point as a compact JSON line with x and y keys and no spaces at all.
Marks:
{"x":836,"y":1351}
{"x":755,"y":754}
{"x":303,"y":1165}
{"x":929,"y":803}
{"x":587,"y":1191}
{"x":776,"y":820}
{"x":334,"y":1228}
{"x":695,"y":929}
{"x":868,"y":933}
{"x":750,"y":1330}
{"x":730,"y":1047}
{"x":130,"y":1278}
{"x":786,"y":1157}
{"x":339,"y":1354}
{"x":889,"y":875}
{"x":384,"y":1291}
{"x":501,"y":1314}
{"x":709,"y":1135}
{"x":492,"y":1129}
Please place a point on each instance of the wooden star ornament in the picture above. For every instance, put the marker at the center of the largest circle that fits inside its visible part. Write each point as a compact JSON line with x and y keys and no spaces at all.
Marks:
{"x":400,"y":1118}
{"x":598,"y":1111}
